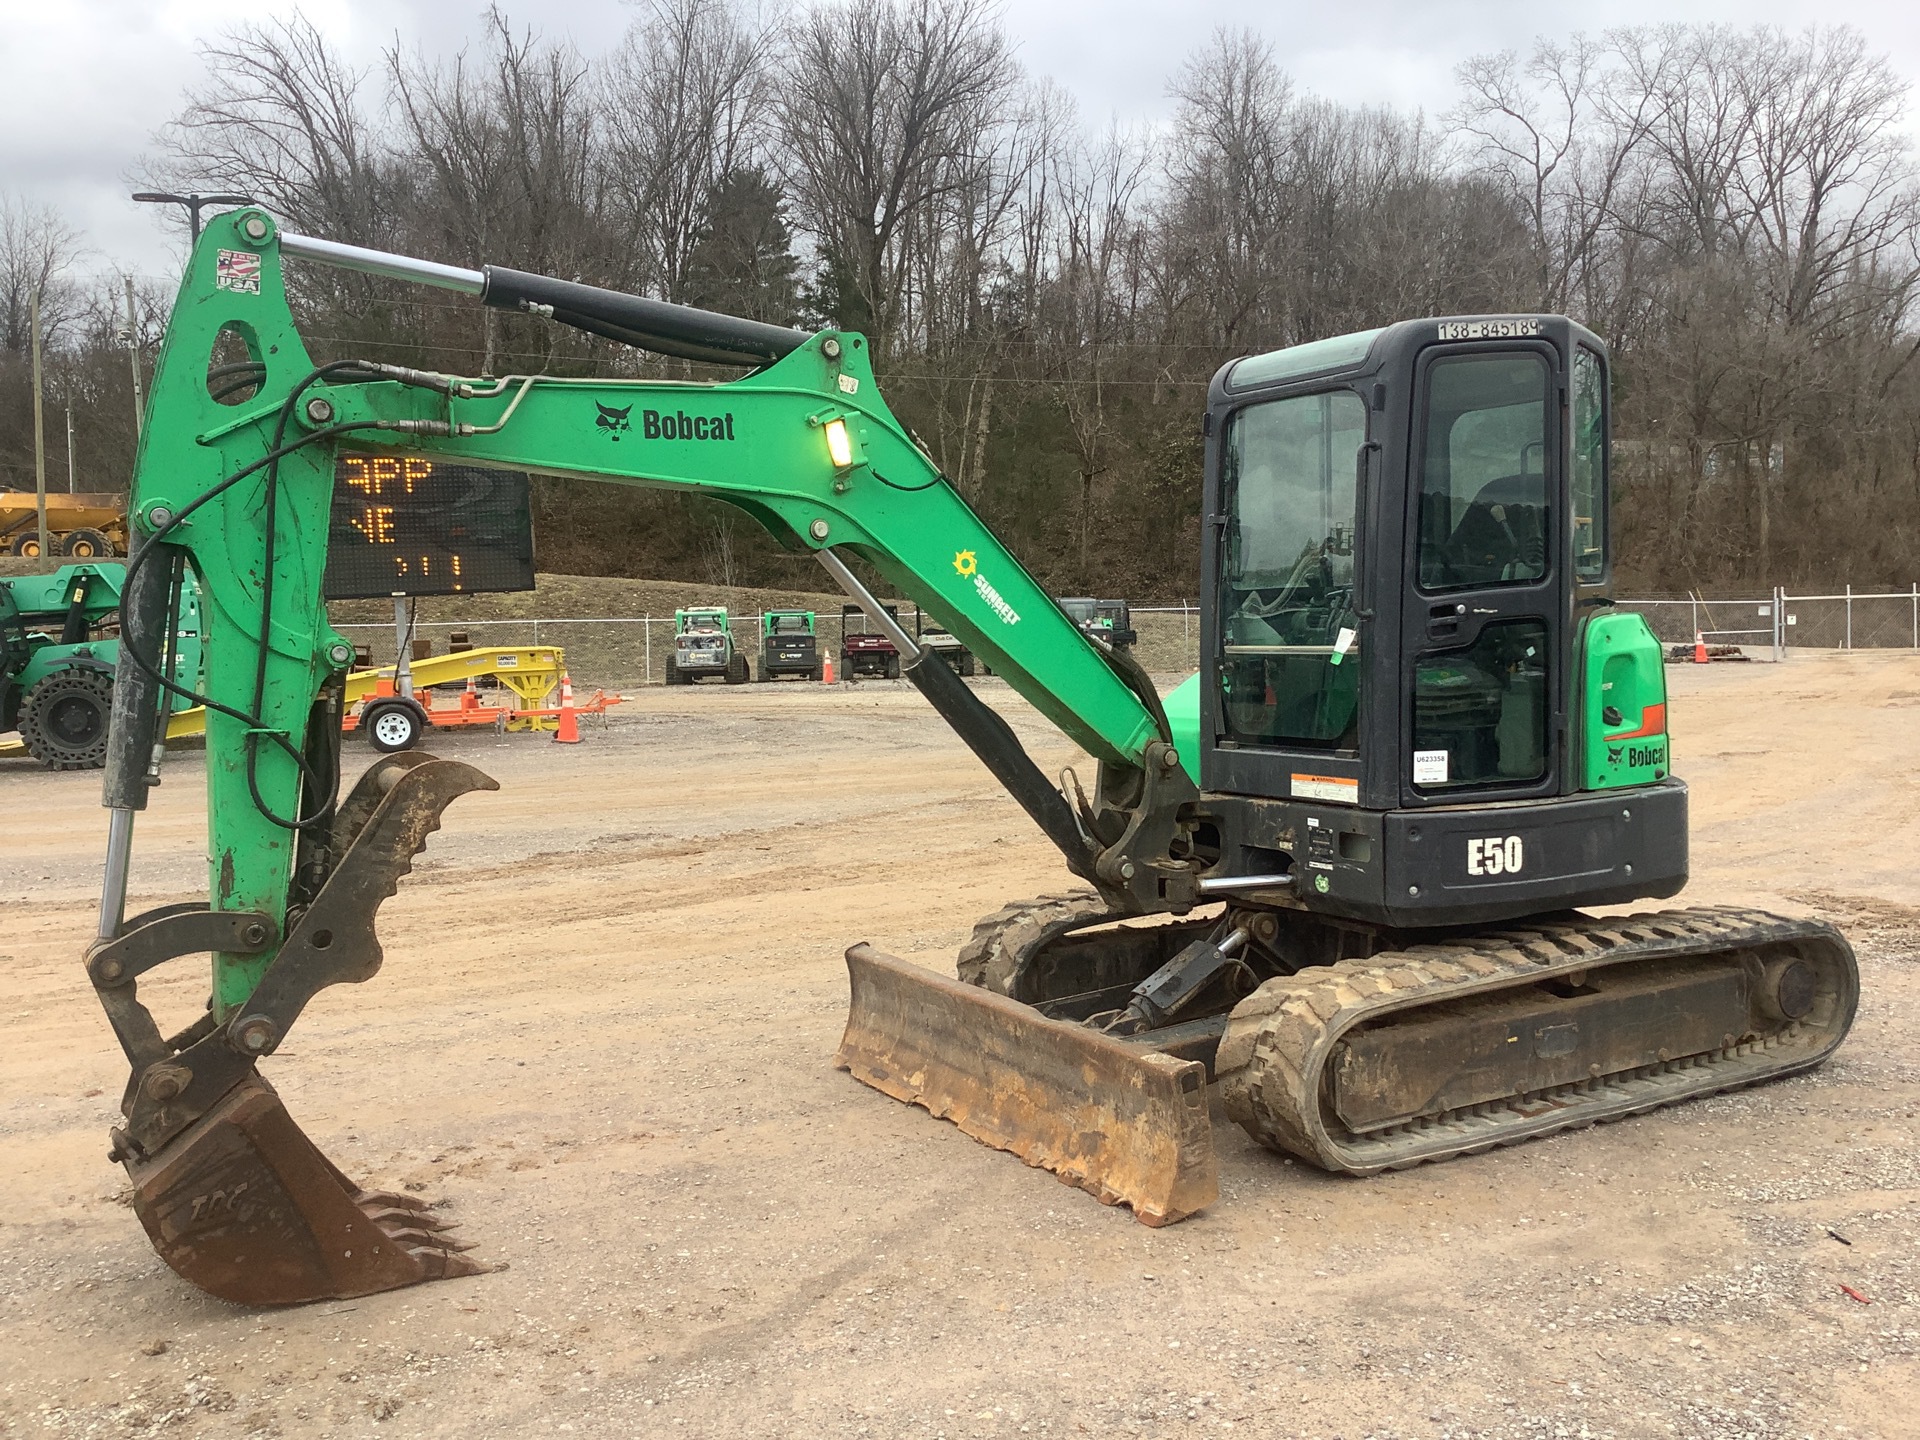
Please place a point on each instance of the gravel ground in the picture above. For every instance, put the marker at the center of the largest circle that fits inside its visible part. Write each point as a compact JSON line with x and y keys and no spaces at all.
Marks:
{"x":601,"y":1043}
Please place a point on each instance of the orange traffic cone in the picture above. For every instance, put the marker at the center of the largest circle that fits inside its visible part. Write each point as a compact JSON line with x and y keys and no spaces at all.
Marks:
{"x":1699,"y":648}
{"x":569,"y":731}
{"x":826,"y":671}
{"x":471,"y":699}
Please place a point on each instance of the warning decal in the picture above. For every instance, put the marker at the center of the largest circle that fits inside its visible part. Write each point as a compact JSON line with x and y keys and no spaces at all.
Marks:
{"x":1326,"y":787}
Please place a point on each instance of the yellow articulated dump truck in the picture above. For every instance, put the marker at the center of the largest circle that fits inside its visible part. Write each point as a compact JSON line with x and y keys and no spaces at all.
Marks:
{"x":86,"y":526}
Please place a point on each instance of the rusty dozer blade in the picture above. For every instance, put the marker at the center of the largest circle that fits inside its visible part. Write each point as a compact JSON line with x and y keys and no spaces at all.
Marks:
{"x":1126,"y":1124}
{"x":242,"y":1204}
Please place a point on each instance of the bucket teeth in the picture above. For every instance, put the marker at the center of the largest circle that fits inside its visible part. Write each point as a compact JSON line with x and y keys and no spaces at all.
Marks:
{"x":418,"y":1240}
{"x":405,"y":1216}
{"x":243,"y":1205}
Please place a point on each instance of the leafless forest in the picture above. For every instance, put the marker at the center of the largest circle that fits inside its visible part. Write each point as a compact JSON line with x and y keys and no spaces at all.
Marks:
{"x":1736,"y":211}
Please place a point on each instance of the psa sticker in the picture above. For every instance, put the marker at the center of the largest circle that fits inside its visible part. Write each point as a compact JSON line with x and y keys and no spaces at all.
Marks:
{"x":238,"y":271}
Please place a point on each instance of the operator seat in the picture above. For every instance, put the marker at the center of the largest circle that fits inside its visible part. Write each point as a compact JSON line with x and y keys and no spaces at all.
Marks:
{"x":1502,"y":535}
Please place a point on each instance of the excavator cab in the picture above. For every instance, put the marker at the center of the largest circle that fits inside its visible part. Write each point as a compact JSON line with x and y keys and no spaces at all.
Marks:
{"x":1395,"y":660}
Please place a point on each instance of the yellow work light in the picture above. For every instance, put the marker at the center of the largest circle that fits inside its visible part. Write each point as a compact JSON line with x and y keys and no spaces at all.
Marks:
{"x":839,"y":443}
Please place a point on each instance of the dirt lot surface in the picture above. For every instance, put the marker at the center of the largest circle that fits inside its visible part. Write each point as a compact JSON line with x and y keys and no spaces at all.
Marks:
{"x":601,"y":1040}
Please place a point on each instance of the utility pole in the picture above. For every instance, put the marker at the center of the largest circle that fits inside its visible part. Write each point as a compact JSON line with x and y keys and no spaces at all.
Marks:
{"x":39,"y":431}
{"x":133,"y":352}
{"x":72,"y":489}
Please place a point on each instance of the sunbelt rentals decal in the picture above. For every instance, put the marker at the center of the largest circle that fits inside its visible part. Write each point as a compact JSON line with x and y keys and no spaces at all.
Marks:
{"x":967,"y":566}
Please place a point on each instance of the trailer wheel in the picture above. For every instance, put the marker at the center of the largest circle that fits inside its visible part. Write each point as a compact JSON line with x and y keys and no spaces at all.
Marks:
{"x":63,"y":719}
{"x":86,"y":544}
{"x":893,"y":667}
{"x":391,"y":725}
{"x":846,"y":667}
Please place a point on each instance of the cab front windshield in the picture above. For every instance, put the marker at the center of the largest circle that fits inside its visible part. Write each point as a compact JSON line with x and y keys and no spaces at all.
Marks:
{"x":1288,"y":662}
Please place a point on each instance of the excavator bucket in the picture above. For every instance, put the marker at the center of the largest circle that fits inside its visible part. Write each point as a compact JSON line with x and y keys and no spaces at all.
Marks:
{"x":233,"y":1195}
{"x":242,"y":1204}
{"x":1127,"y":1124}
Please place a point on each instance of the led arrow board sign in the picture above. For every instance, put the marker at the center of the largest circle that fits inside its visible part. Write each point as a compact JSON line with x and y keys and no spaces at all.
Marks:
{"x":404,"y":524}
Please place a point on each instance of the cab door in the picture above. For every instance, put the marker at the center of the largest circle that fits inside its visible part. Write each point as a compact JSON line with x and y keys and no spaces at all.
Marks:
{"x":1483,"y":630}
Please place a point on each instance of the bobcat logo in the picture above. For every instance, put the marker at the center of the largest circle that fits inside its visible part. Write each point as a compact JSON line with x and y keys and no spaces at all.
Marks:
{"x":613,"y":421}
{"x":1614,"y":752}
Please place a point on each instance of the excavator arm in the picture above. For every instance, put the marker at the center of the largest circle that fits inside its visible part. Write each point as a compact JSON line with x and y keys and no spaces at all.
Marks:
{"x":234,"y":481}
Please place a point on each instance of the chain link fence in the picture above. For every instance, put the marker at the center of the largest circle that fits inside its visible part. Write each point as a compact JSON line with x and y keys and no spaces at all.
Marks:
{"x":1882,"y":620}
{"x":1748,"y":624}
{"x":1767,"y":628}
{"x":632,"y":650}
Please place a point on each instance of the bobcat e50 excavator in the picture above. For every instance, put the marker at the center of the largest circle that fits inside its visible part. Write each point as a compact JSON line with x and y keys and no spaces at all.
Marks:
{"x":1338,"y":871}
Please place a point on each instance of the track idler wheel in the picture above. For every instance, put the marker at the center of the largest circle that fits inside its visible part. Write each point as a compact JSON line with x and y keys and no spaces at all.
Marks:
{"x":243,"y":1205}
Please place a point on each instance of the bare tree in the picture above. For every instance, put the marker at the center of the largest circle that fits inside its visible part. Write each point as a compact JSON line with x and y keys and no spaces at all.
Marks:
{"x":1089,"y":308}
{"x":886,"y":109}
{"x":281,"y":118}
{"x":685,"y":100}
{"x":508,"y":151}
{"x":1226,"y":185}
{"x":38,"y":251}
{"x":1539,"y":137}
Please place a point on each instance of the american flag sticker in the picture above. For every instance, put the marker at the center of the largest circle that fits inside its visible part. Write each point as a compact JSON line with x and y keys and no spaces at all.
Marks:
{"x":238,"y":270}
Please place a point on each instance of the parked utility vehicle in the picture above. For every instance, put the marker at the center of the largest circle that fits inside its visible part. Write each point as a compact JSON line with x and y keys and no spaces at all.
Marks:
{"x":703,"y":648}
{"x":790,"y":646}
{"x":934,"y":636}
{"x":863,"y":649}
{"x":1108,"y":621}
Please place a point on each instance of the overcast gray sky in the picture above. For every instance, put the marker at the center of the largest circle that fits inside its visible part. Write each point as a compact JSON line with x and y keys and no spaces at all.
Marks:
{"x":85,"y":83}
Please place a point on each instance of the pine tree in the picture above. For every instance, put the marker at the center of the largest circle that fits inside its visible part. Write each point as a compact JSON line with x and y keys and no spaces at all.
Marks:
{"x":742,"y":261}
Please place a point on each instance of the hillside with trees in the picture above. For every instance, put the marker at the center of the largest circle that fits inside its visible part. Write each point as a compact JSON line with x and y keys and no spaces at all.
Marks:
{"x":1735,"y":210}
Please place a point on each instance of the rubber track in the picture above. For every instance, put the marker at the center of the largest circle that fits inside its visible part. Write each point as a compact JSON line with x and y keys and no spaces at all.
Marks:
{"x":1273,"y":1058}
{"x":1003,"y":940}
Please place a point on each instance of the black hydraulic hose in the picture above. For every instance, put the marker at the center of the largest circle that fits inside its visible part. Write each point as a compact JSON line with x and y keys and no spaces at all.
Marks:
{"x":170,"y":655}
{"x":1141,"y":683}
{"x":678,"y":330}
{"x":131,"y":620}
{"x":137,"y":687}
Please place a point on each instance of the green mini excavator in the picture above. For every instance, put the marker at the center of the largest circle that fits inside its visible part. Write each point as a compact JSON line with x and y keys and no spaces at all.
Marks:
{"x":1344,"y":872}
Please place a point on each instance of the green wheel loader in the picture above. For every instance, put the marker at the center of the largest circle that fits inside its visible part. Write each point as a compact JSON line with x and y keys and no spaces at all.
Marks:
{"x":58,"y":654}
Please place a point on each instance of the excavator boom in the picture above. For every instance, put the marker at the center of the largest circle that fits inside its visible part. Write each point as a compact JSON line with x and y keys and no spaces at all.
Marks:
{"x":234,"y":483}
